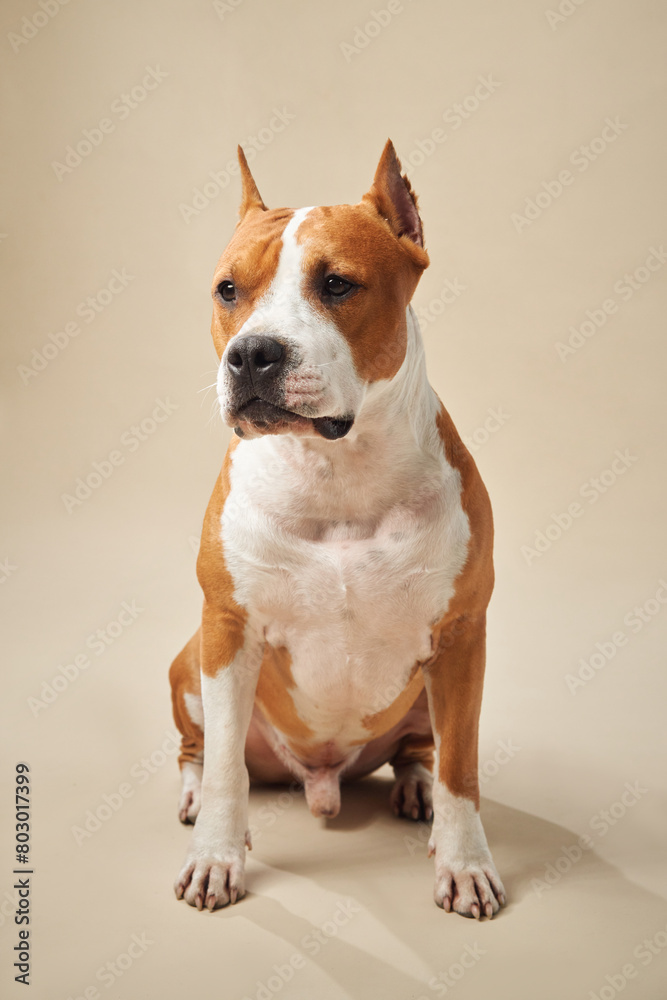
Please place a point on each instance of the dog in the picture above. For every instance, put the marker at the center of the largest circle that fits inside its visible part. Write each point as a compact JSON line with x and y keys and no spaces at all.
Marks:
{"x":346,"y":552}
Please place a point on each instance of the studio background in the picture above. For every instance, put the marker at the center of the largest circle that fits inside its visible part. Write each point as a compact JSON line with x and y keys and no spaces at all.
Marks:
{"x":533,"y":133}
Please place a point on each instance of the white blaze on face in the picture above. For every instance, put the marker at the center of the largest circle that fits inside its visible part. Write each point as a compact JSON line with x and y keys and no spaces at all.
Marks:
{"x":324,"y":383}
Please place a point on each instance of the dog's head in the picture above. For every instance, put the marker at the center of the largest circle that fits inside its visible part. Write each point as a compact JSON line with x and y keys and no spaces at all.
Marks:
{"x":310,"y":306}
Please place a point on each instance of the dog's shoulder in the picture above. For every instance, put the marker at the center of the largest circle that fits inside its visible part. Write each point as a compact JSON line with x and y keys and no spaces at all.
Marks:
{"x":475,"y":582}
{"x":212,"y":573}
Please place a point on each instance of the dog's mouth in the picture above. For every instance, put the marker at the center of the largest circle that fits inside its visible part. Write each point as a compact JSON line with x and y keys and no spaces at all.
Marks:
{"x":266,"y":418}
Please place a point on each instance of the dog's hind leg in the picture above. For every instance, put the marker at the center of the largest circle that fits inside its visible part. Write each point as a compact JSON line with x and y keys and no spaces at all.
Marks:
{"x":412,"y":760}
{"x":189,"y":717}
{"x":412,"y":795}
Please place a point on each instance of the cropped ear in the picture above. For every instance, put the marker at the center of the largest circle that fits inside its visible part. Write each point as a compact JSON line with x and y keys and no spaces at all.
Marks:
{"x":250,"y":197}
{"x":394,"y":198}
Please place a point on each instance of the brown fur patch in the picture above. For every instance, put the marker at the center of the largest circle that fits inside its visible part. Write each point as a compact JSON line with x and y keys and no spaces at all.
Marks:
{"x":250,"y":196}
{"x":354,"y":242}
{"x":393,"y":198}
{"x":275,"y":700}
{"x":381,"y":722}
{"x":223,"y":620}
{"x":184,"y":679}
{"x":456,"y":670}
{"x":250,"y":261}
{"x":414,"y":749}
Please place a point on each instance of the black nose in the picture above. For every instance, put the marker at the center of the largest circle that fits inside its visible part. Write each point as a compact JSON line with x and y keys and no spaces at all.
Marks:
{"x":255,"y":359}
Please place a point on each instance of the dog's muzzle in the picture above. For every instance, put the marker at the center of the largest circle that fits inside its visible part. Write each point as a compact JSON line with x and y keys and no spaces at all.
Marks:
{"x":257,"y":367}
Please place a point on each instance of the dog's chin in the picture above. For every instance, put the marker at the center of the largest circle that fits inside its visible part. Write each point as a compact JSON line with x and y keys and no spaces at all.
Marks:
{"x":259,"y":417}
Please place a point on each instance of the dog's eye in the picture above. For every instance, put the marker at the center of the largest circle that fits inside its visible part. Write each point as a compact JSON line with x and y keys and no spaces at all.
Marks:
{"x":337,"y":286}
{"x":227,"y":291}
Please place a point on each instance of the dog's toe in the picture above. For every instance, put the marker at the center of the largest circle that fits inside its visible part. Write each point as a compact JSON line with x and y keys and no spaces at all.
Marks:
{"x":471,"y":890}
{"x":210,"y":884}
{"x":189,"y":802}
{"x":411,"y":795}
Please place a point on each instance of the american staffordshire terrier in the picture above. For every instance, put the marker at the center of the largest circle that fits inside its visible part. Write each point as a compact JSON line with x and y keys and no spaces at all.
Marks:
{"x":346,"y":552}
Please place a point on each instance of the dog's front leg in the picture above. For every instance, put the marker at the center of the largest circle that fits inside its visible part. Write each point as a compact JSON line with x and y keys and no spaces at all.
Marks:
{"x":213,"y":873}
{"x":466,"y":879}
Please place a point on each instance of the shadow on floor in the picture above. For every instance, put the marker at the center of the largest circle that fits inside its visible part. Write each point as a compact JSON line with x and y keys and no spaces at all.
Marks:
{"x":556,"y":890}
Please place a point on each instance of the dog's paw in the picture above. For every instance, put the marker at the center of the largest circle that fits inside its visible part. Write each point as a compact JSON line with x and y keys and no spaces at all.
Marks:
{"x":189,"y":802}
{"x":473,"y":890}
{"x":411,"y":795}
{"x":212,"y":880}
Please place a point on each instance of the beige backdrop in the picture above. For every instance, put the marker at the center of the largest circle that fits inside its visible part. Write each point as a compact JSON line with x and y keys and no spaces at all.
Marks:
{"x":534,"y":135}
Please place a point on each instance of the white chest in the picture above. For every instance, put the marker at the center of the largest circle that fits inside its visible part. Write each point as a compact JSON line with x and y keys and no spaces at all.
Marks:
{"x":349,"y":578}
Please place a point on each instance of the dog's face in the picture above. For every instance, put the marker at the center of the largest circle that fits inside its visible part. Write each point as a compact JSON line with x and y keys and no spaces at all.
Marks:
{"x":310,"y":306}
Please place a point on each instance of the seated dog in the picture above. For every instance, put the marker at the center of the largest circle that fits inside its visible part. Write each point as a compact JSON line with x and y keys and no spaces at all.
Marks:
{"x":346,"y":552}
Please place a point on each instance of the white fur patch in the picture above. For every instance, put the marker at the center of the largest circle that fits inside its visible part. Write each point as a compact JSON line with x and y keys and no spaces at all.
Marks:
{"x":213,"y":872}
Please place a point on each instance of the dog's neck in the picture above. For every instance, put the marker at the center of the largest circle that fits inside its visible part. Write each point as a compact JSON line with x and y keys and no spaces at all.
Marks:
{"x":391,"y":460}
{"x":396,"y":418}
